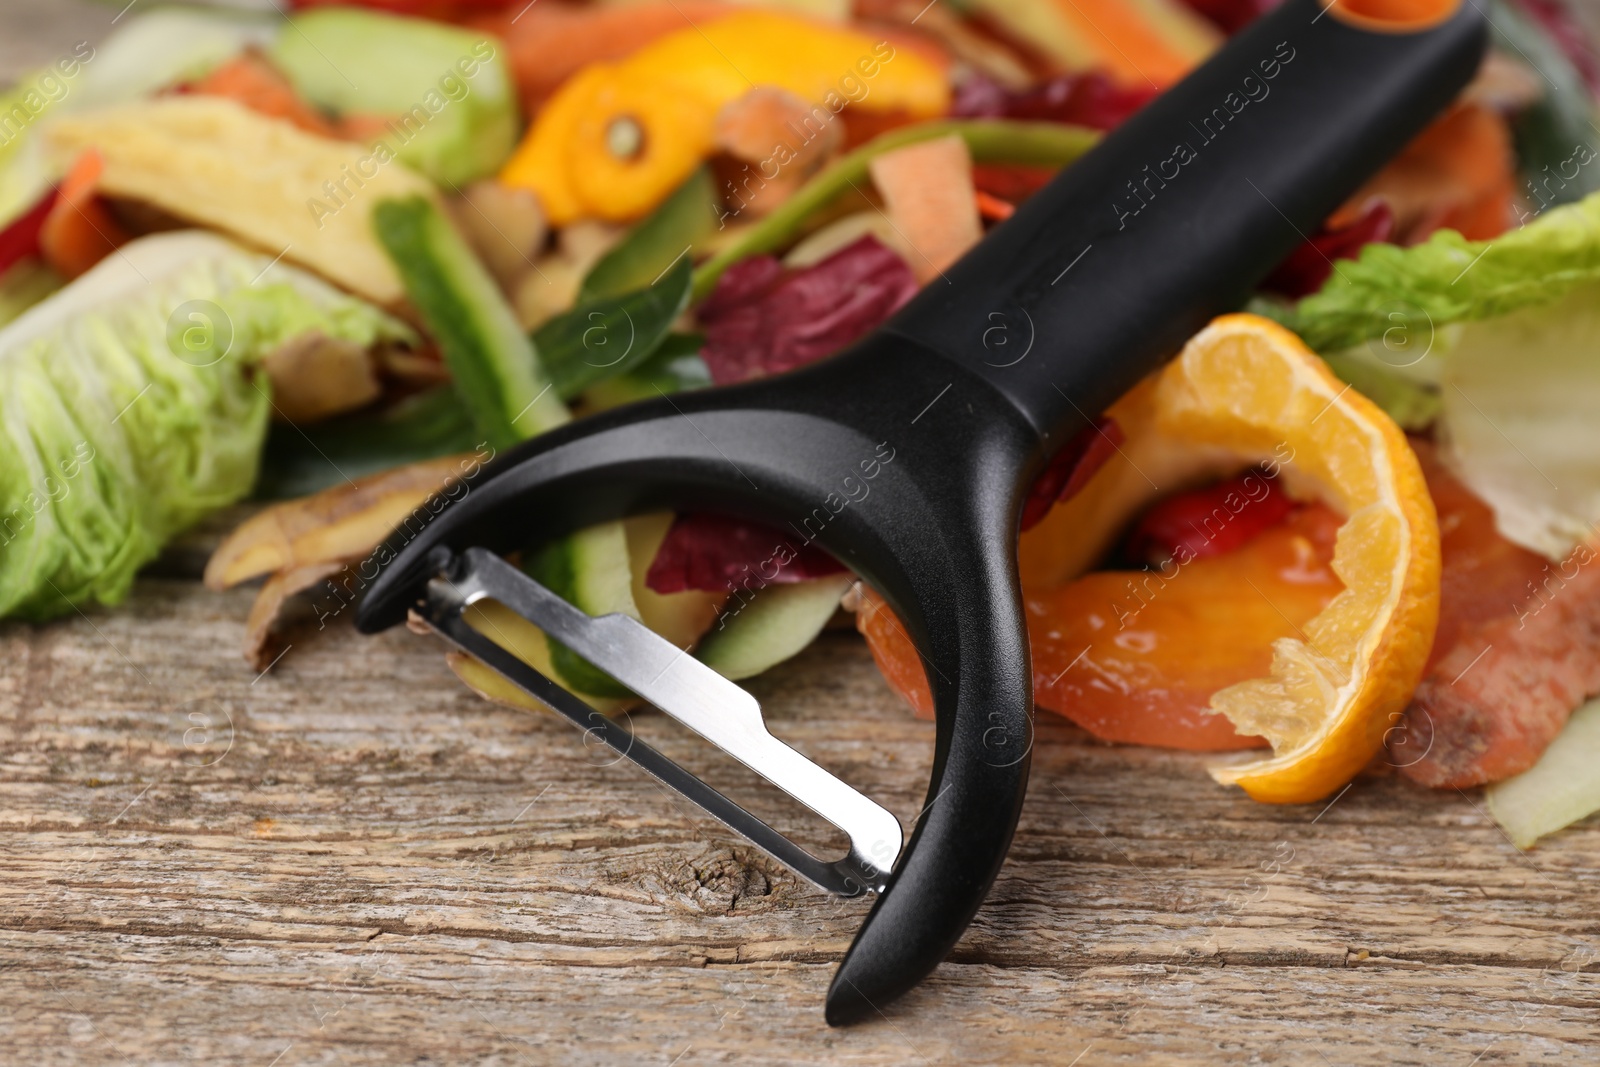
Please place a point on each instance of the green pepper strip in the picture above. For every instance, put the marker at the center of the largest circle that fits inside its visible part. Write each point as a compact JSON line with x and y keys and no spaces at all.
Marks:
{"x":989,"y":141}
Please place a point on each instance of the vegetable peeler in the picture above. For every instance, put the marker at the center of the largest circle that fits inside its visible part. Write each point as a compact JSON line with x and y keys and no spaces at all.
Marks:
{"x":970,"y":388}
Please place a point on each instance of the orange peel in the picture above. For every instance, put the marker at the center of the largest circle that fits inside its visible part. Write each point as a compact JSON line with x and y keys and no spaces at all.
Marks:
{"x":1250,"y":386}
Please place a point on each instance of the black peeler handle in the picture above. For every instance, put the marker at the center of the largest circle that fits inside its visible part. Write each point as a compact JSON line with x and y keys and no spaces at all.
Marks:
{"x":1182,"y":210}
{"x":1108,"y":282}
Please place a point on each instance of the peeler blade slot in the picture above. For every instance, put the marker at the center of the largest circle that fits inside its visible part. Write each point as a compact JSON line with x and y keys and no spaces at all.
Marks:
{"x":687,"y":690}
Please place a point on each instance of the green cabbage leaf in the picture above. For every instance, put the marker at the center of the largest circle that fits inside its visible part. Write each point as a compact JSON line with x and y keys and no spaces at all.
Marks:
{"x":1448,"y":279}
{"x":1496,"y":344}
{"x":132,"y":403}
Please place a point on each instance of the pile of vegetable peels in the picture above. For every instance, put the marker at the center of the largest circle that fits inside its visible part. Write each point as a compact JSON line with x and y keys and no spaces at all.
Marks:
{"x":341,"y":258}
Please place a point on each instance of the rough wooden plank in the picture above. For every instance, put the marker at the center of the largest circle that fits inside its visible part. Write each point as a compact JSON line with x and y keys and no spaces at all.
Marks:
{"x":386,"y":1003}
{"x":377,"y":866}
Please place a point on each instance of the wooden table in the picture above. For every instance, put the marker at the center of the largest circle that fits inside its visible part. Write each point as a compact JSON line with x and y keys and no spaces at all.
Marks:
{"x":352,"y":860}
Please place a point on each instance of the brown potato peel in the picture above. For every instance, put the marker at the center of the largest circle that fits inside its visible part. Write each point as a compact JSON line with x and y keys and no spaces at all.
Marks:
{"x":315,"y":377}
{"x":299,"y":543}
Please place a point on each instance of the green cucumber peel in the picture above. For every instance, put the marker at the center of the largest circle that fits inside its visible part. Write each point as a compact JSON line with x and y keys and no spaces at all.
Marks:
{"x":493,"y":363}
{"x":989,"y":141}
{"x":775,"y":624}
{"x":598,"y":586}
{"x":502,"y":383}
{"x":447,"y":91}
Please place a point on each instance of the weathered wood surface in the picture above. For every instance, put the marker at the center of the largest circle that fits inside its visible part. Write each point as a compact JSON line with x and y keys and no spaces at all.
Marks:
{"x":352,"y":860}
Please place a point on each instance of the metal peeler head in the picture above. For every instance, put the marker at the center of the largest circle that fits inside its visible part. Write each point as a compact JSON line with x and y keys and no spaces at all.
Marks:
{"x":864,"y":457}
{"x":909,"y":456}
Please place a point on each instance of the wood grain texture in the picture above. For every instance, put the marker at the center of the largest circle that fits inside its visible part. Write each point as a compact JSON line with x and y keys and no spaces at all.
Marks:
{"x":352,"y":860}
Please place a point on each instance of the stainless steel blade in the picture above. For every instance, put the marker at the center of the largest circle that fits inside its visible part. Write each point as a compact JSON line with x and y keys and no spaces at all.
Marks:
{"x":687,"y":690}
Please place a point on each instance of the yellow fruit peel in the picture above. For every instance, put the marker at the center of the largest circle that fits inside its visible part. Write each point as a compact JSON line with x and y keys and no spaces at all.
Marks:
{"x":661,"y":103}
{"x":212,"y":161}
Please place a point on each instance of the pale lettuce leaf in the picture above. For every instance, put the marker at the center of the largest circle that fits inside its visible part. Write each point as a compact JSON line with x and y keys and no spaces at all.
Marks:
{"x":131,"y":404}
{"x":1413,"y":405}
{"x":1519,"y":398}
